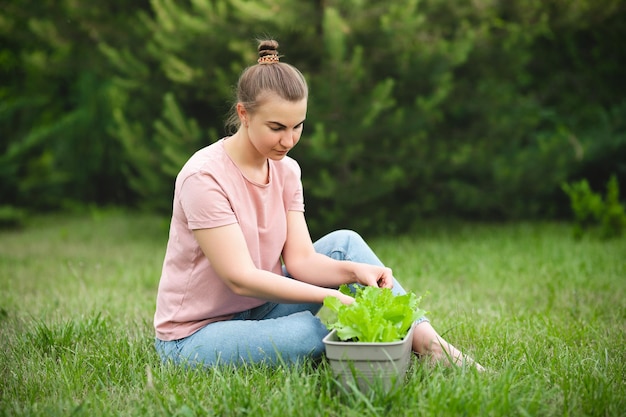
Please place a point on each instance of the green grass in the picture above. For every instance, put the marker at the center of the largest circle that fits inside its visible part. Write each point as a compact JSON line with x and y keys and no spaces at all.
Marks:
{"x":544,"y":313}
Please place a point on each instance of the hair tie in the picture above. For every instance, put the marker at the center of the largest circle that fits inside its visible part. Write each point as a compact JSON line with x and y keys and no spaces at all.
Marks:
{"x":268,"y":59}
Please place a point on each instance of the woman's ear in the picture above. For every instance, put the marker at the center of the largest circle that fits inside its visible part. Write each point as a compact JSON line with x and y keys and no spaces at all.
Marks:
{"x":243,"y":114}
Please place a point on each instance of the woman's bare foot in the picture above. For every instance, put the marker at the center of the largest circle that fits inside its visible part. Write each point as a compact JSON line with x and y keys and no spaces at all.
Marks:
{"x":427,"y":343}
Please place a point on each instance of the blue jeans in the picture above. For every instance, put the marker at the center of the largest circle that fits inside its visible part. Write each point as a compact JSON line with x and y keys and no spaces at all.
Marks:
{"x":272,"y":333}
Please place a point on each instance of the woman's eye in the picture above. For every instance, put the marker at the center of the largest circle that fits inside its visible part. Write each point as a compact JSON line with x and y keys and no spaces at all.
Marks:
{"x":279,"y":128}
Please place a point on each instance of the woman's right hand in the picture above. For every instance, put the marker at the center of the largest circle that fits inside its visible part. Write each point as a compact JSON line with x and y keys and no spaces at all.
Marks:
{"x":345,"y":299}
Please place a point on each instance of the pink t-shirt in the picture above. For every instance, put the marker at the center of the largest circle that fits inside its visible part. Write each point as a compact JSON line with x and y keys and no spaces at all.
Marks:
{"x":211,"y":191}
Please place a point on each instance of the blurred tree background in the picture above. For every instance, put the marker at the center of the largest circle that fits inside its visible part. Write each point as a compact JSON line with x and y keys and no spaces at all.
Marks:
{"x":477,"y":109}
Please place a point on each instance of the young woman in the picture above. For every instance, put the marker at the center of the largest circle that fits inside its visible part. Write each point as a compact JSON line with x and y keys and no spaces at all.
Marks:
{"x":242,"y":280}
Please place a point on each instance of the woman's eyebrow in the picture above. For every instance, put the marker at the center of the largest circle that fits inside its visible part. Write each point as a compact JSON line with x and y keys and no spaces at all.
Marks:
{"x":282,"y":125}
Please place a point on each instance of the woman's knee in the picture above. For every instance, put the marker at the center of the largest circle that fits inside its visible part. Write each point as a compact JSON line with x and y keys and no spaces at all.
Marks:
{"x":345,"y":236}
{"x":341,"y":244}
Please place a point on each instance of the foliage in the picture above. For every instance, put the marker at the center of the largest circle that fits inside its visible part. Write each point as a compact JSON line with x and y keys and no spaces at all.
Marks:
{"x":590,"y":209}
{"x":586,"y":205}
{"x":376,"y":315}
{"x":613,"y":221}
{"x":418,"y":108}
{"x":412,"y":114}
{"x":56,"y":103}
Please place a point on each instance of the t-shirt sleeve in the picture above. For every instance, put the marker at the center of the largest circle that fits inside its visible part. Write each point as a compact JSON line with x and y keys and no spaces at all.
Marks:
{"x":295,"y":199}
{"x":297,"y":202}
{"x":205,"y":203}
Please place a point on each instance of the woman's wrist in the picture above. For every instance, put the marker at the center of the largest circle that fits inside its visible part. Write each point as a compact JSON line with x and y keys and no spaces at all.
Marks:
{"x":351,"y":272}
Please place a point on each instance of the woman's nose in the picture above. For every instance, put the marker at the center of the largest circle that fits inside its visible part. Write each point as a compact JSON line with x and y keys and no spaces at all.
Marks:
{"x":289,"y":139}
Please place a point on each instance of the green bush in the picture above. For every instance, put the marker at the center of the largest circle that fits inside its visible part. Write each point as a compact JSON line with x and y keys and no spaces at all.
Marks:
{"x":591,"y":210}
{"x":613,"y":220}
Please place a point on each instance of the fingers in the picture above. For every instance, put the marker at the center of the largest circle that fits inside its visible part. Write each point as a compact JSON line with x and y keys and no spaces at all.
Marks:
{"x":375,"y":276}
{"x":383,"y":277}
{"x":385,"y":282}
{"x":345,"y":299}
{"x":386,"y":278}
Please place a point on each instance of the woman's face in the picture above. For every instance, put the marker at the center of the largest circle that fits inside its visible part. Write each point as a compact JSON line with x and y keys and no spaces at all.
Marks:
{"x":276,"y":125}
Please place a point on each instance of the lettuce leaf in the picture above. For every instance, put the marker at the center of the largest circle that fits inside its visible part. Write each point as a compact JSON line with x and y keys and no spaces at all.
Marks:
{"x":376,"y":315}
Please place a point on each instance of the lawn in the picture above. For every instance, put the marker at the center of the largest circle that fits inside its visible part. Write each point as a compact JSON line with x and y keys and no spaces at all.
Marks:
{"x":543,"y":312}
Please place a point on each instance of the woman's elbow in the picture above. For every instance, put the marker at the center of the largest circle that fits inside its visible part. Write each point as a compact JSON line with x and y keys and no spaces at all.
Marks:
{"x":237,"y":284}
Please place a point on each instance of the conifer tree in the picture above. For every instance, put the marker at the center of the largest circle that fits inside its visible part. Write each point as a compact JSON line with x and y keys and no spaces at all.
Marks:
{"x":55,"y":104}
{"x":417,"y":108}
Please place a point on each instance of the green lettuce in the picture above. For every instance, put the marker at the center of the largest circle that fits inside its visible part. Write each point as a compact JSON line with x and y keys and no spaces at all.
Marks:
{"x":376,"y":315}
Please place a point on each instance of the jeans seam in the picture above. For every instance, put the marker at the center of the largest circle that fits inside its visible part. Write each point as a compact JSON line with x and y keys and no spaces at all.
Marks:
{"x":343,"y":256}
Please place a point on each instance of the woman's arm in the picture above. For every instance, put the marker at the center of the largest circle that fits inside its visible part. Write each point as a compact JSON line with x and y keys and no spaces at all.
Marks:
{"x":304,"y":264}
{"x":226,"y":249}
